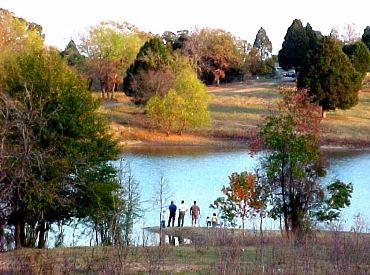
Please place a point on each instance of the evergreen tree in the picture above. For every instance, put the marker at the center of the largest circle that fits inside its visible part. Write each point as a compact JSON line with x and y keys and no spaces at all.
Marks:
{"x":359,"y":56}
{"x":297,"y":41}
{"x":330,"y":76}
{"x":154,"y":56}
{"x":366,"y":37}
{"x":72,"y":54}
{"x":263,"y":44}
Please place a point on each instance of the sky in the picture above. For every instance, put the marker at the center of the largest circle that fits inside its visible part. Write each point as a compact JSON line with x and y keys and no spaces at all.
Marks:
{"x":63,"y":20}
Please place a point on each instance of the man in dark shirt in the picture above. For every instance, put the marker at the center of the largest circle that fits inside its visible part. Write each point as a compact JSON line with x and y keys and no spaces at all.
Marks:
{"x":194,"y":212}
{"x":172,"y":215}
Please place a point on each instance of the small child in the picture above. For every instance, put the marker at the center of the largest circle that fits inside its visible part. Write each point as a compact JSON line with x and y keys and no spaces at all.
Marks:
{"x":209,"y":223}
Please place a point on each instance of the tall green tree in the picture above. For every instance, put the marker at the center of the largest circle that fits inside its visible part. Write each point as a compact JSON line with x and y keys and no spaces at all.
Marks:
{"x":297,"y":41}
{"x":328,"y":73}
{"x":56,"y":144}
{"x":263,"y":44}
{"x":74,"y":58}
{"x":150,"y":73}
{"x":292,"y":169}
{"x":366,"y":37}
{"x":359,"y":56}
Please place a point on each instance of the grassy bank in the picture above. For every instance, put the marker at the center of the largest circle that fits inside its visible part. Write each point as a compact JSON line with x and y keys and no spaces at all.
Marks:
{"x":236,"y":112}
{"x":222,"y":252}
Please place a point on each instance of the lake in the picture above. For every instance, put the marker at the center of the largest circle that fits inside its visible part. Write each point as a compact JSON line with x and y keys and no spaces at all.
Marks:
{"x":196,"y":173}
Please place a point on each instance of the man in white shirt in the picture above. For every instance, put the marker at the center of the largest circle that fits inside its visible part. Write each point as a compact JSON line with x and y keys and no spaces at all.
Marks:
{"x":182,"y":210}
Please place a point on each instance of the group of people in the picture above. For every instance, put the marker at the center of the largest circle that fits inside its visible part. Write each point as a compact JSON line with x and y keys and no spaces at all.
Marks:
{"x":182,"y":209}
{"x":194,"y":213}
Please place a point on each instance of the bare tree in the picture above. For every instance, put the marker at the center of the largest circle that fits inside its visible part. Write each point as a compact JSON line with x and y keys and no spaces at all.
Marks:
{"x":129,"y":210}
{"x":162,"y":195}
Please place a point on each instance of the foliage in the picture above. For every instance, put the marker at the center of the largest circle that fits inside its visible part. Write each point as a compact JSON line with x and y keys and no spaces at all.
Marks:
{"x":329,"y":75}
{"x":359,"y":56}
{"x":16,"y":34}
{"x":56,"y":143}
{"x":213,"y":49}
{"x":74,"y":58}
{"x":185,"y":104}
{"x":111,"y":48}
{"x":366,"y":37}
{"x":340,"y":194}
{"x":297,"y":41}
{"x":263,"y":44}
{"x":154,"y":57}
{"x":176,"y":41}
{"x":243,"y":198}
{"x":293,"y":167}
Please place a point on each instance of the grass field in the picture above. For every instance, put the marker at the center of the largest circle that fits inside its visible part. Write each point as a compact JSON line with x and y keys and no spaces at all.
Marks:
{"x":236,"y":112}
{"x":224,"y":251}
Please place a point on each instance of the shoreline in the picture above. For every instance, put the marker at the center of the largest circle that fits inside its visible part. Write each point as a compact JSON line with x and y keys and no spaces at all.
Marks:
{"x":229,"y":144}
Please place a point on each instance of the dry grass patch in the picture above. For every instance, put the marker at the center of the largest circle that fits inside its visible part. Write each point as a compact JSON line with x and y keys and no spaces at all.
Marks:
{"x":236,"y":110}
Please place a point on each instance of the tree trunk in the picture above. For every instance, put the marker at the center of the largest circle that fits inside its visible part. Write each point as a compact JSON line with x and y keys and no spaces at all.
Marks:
{"x":42,"y":240}
{"x":2,"y":238}
{"x":296,"y":221}
{"x":261,"y":219}
{"x":323,"y":113}
{"x":18,"y":235}
{"x":113,"y":90}
{"x":218,"y":81}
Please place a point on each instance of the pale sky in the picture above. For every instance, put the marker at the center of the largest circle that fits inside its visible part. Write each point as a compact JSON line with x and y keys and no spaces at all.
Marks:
{"x":63,"y":20}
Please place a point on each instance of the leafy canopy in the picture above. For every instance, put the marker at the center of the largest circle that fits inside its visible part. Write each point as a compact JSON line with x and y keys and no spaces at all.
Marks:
{"x":330,"y":77}
{"x":297,"y":41}
{"x":185,"y":104}
{"x":61,"y":140}
{"x":359,"y":56}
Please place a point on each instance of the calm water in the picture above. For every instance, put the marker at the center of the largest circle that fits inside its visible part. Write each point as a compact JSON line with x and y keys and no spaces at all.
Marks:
{"x":194,"y":173}
{"x":199,"y":174}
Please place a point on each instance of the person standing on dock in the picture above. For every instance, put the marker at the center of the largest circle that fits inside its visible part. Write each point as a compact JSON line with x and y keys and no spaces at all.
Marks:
{"x":195,"y":213}
{"x":182,"y":210}
{"x":172,"y":208}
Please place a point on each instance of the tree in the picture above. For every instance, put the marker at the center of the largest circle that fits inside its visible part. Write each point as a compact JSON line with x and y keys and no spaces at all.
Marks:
{"x":350,"y":35}
{"x":297,"y":41}
{"x":55,"y":150}
{"x":366,"y":37}
{"x":213,"y":49}
{"x":74,"y":58}
{"x":16,"y":34}
{"x":111,"y":48}
{"x":127,"y":209}
{"x":359,"y":56}
{"x":293,"y":167}
{"x":263,"y":44}
{"x":185,"y":104}
{"x":176,"y":41}
{"x":153,"y":61}
{"x":162,"y":194}
{"x":332,"y":81}
{"x":243,"y":198}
